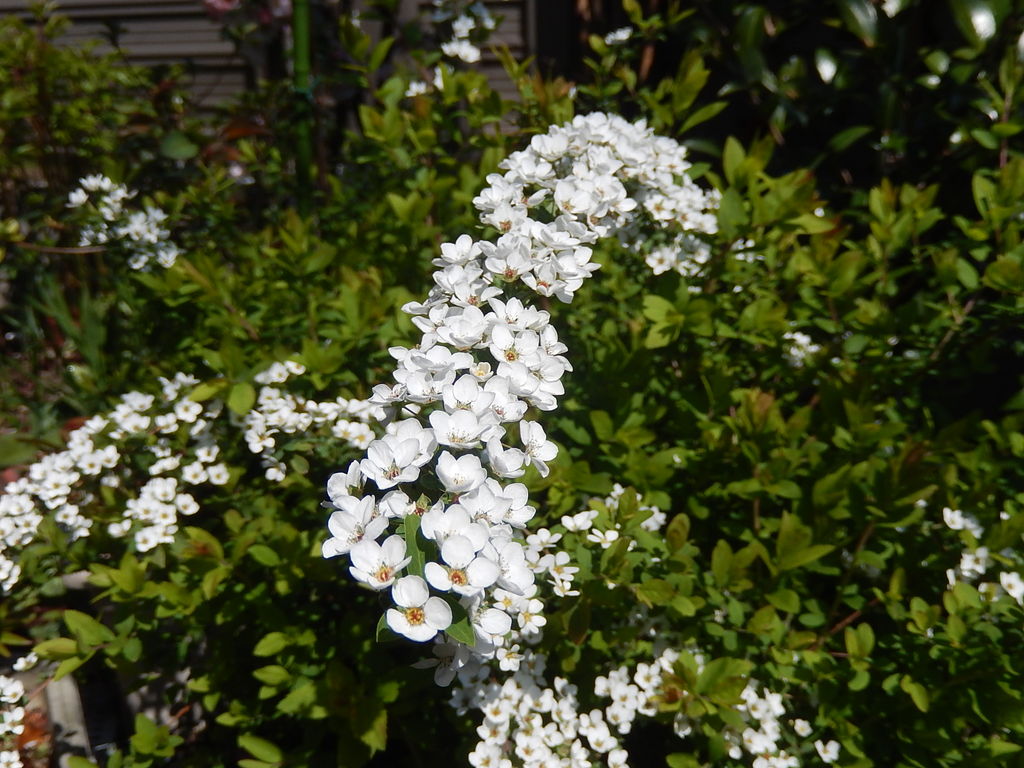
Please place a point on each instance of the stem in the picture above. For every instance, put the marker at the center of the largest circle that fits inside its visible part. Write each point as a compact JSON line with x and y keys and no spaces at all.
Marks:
{"x":958,"y":322}
{"x":86,"y":249}
{"x":840,"y":626}
{"x":304,"y":102}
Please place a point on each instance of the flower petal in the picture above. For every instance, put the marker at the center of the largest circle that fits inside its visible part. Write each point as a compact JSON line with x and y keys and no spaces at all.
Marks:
{"x":410,"y":592}
{"x":438,"y":613}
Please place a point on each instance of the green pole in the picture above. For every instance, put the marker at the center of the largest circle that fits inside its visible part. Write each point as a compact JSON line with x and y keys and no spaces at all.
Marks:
{"x":304,"y":103}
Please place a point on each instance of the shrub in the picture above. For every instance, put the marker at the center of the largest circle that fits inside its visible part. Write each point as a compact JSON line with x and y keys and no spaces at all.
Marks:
{"x":774,"y":517}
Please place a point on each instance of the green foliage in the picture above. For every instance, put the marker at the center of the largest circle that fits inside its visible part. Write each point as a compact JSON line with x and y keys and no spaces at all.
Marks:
{"x":803,"y":406}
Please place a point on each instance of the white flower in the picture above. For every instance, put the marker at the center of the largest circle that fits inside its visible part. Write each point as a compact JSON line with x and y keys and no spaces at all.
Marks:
{"x":828,"y":751}
{"x":390,"y":462}
{"x":604,"y":538}
{"x":465,"y":572}
{"x":448,"y":659}
{"x":461,"y":49}
{"x":462,"y":474}
{"x":510,"y":462}
{"x":463,"y":25}
{"x":416,"y":88}
{"x":420,"y":616}
{"x":462,"y":252}
{"x":1013,"y":584}
{"x":802,"y":727}
{"x":377,"y":564}
{"x":973,"y":564}
{"x":530,"y":618}
{"x":27,"y":661}
{"x":509,"y":658}
{"x":350,"y":524}
{"x":218,"y":474}
{"x":581,"y":521}
{"x":953,"y":518}
{"x":536,"y":446}
{"x":77,"y":198}
{"x":801,"y":346}
{"x":619,"y":36}
{"x":460,"y":430}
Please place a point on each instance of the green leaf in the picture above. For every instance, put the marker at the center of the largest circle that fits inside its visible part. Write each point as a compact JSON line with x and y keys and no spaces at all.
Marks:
{"x":57,"y":648}
{"x":917,"y":692}
{"x":861,"y":18}
{"x":681,"y":760}
{"x":849,"y":136}
{"x":130,"y":577}
{"x":383,"y":628}
{"x":860,"y":680}
{"x":721,"y":563}
{"x":732,"y":158}
{"x":88,"y":630}
{"x":260,"y":748}
{"x":603,"y":427}
{"x":68,"y":666}
{"x":271,"y":643}
{"x":375,"y":733}
{"x":302,"y":699}
{"x":15,"y":451}
{"x":176,"y":146}
{"x":661,"y":335}
{"x":264,"y":555}
{"x":793,"y":536}
{"x":242,"y":398}
{"x":207,"y":390}
{"x":732,"y":215}
{"x":460,"y":628}
{"x":722,"y":680}
{"x":657,"y":309}
{"x":272,"y":674}
{"x":802,"y":557}
{"x":380,"y":52}
{"x":702,"y":115}
{"x":462,"y":631}
{"x":678,"y":531}
{"x":813,"y":225}
{"x":1005,"y":274}
{"x":413,"y":550}
{"x":967,"y":274}
{"x":684,"y":606}
{"x":785,"y":600}
{"x":655,"y":592}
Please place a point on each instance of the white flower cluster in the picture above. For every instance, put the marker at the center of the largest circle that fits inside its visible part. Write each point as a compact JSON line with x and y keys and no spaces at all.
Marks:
{"x":157,"y":451}
{"x":975,"y":560}
{"x":483,"y":359}
{"x":800,"y":346}
{"x":584,"y":521}
{"x":141,"y":233}
{"x":635,"y":693}
{"x":528,"y":723}
{"x":471,"y":25}
{"x":12,"y":716}
{"x":618,"y":36}
{"x":279,"y":412}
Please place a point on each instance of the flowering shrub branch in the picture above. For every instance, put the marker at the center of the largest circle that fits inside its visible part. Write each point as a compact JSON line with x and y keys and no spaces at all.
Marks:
{"x":433,"y":484}
{"x":139,"y":234}
{"x":140,"y":468}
